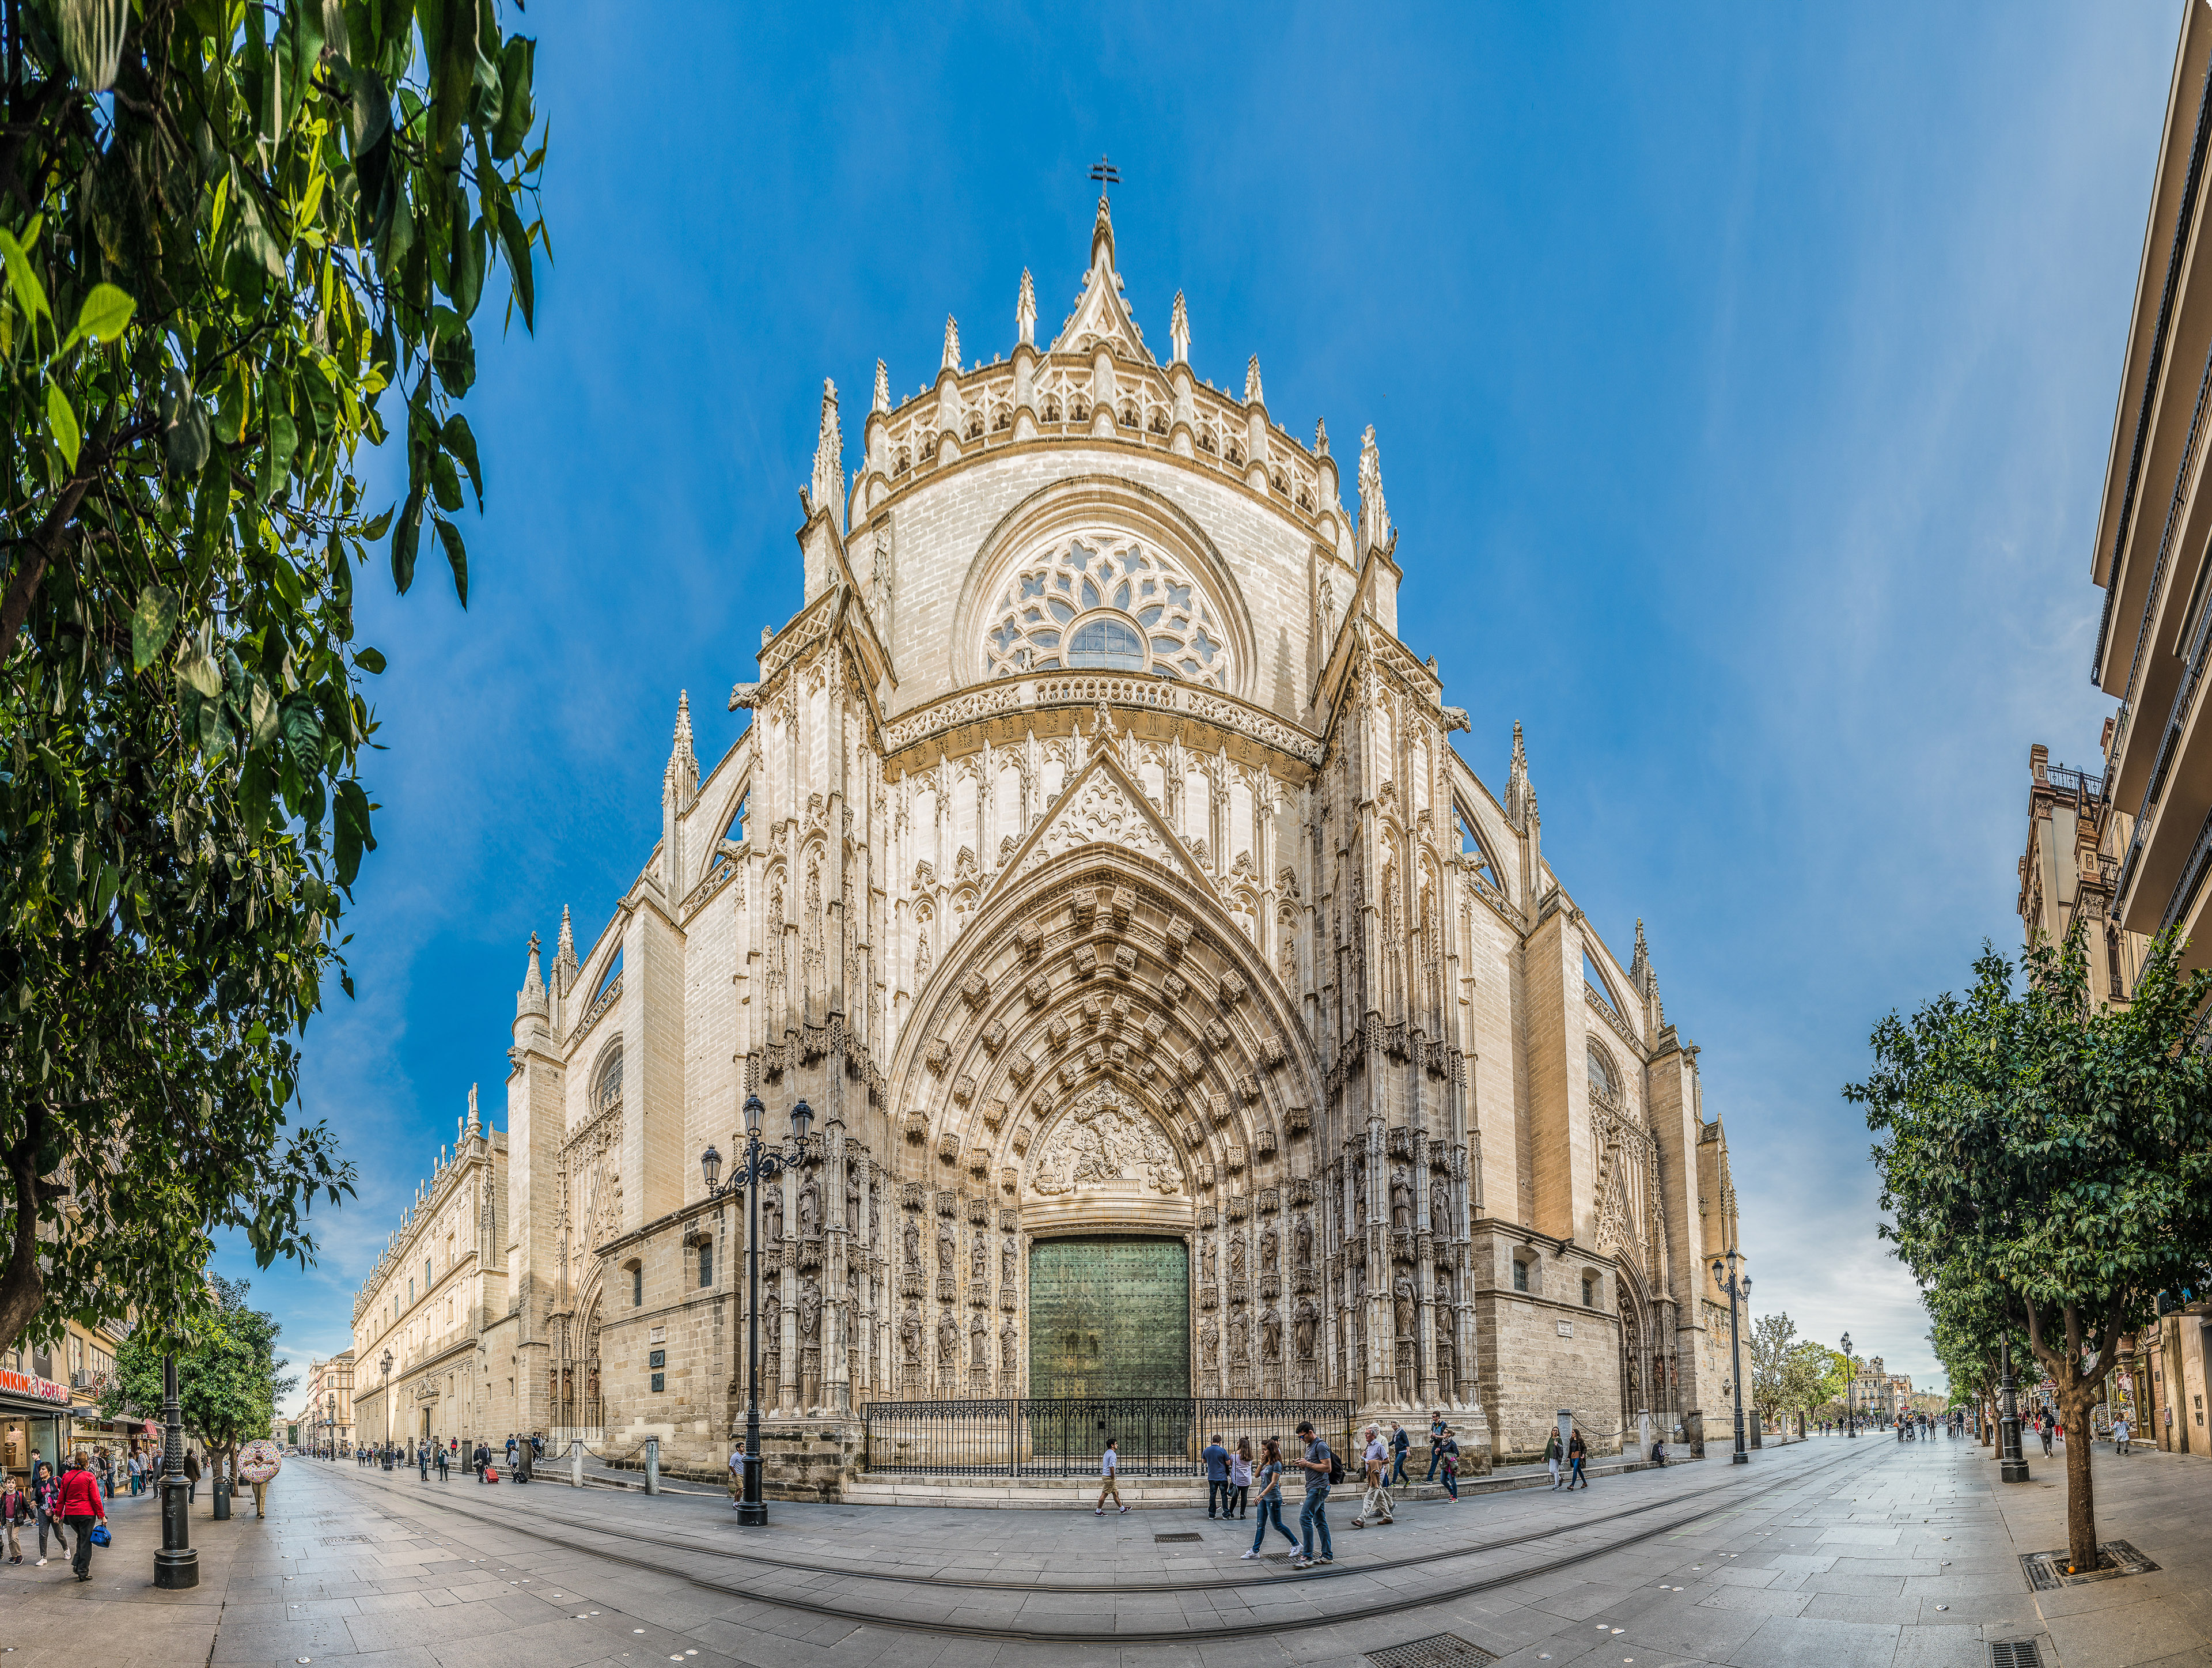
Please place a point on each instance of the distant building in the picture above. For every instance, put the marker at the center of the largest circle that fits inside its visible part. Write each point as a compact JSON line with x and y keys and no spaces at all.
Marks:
{"x":2075,"y":836}
{"x":326,"y":1419}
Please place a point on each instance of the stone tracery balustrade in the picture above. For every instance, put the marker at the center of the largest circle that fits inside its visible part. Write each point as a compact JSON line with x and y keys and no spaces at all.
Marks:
{"x":1064,"y":406}
{"x":983,"y":702}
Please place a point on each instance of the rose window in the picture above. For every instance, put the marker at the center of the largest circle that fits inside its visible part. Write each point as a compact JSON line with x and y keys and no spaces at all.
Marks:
{"x":1106,"y":603}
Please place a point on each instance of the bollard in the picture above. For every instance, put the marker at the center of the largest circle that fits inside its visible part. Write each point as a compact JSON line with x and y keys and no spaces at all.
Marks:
{"x":576,"y":1463}
{"x":651,"y":1465}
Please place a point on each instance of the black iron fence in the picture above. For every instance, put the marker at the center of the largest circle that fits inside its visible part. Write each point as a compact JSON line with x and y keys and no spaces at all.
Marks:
{"x":1154,"y":1436}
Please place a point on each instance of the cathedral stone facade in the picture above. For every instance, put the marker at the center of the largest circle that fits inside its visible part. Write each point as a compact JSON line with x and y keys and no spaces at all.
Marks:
{"x":1180,"y":1014}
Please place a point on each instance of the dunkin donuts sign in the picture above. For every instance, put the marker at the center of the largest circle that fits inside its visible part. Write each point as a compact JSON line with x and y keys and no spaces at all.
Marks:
{"x":31,"y":1386}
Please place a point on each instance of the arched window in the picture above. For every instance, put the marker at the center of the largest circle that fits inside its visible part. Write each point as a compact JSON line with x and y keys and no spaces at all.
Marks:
{"x":637,"y":1285}
{"x":1603,"y":1082}
{"x":1104,"y":601}
{"x":607,"y":1082}
{"x":1519,"y":1275}
{"x":1590,"y":1291}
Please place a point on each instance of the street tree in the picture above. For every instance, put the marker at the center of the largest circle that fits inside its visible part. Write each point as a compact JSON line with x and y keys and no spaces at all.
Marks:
{"x":227,"y":1377}
{"x":241,"y":247}
{"x":1789,"y":1374}
{"x":2051,"y":1157}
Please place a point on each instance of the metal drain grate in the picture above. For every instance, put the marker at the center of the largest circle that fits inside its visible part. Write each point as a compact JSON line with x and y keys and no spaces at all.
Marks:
{"x":348,"y":1540}
{"x":1439,"y":1651}
{"x":1164,"y":1539}
{"x":2015,"y":1654}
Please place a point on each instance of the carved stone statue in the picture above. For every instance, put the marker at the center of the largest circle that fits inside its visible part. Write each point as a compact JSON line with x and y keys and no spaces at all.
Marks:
{"x":1205,"y":1260}
{"x":979,"y":1261}
{"x":810,"y":1307}
{"x":1447,"y":1382}
{"x":1402,"y":1295}
{"x":810,"y":1208}
{"x":913,"y":1245}
{"x":945,"y":1246}
{"x":1268,"y":1248}
{"x":1307,"y":1323}
{"x":771,"y":1214}
{"x":852,"y":1202}
{"x":1236,"y":1259}
{"x":1440,"y":1211}
{"x":1209,"y":1342}
{"x":948,"y":1342}
{"x":1009,"y":1341}
{"x":772,"y":1333}
{"x":1304,"y":1245}
{"x":1240,"y":1339}
{"x":910,"y":1335}
{"x":1270,"y":1336}
{"x":1009,"y":1262}
{"x":979,"y":1342}
{"x":1402,"y":1203}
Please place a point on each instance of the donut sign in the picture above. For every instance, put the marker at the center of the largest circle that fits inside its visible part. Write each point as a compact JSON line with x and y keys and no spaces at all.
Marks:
{"x":259,"y":1460}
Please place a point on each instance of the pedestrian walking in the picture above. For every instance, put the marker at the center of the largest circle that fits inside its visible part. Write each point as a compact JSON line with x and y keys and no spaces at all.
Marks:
{"x":1240,"y":1475}
{"x":1436,"y":1429}
{"x":444,"y":1462}
{"x":2120,"y":1434}
{"x":192,"y":1477}
{"x":81,"y":1507}
{"x":15,"y":1514}
{"x":46,"y":1506}
{"x":482,"y":1460}
{"x":1553,"y":1452}
{"x":1375,"y":1506}
{"x":737,"y":1475}
{"x":1109,"y":1462}
{"x":2043,"y":1429}
{"x":1448,"y":1454}
{"x":1322,"y":1469}
{"x":510,"y":1455}
{"x":1576,"y":1453}
{"x":1217,"y":1476}
{"x":1271,"y":1498}
{"x":1401,"y":1444}
{"x":422,"y":1454}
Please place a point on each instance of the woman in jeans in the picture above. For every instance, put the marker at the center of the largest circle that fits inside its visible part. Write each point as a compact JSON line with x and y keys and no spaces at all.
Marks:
{"x":1240,"y":1477}
{"x":1448,"y":1452}
{"x":1271,"y":1494}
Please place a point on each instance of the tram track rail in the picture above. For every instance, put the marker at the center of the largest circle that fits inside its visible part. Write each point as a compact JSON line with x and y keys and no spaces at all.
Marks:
{"x":860,"y":1616}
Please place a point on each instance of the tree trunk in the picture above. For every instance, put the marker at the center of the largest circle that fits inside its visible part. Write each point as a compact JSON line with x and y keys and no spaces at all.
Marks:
{"x":2081,"y":1492}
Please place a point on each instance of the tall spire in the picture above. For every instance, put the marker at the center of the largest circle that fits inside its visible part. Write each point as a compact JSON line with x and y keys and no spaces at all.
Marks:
{"x":476,"y":1124}
{"x":1252,"y":394}
{"x":531,"y":998}
{"x":828,"y":488}
{"x":1320,"y":437}
{"x":1374,"y":513}
{"x":1520,"y":796}
{"x":681,"y":778}
{"x":951,"y":344}
{"x":564,"y":954}
{"x":1025,"y":311}
{"x":883,"y":402}
{"x":1101,"y":237}
{"x":1179,"y":332}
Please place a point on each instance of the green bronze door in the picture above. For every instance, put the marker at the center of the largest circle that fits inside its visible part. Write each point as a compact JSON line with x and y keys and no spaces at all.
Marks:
{"x":1109,"y":1317}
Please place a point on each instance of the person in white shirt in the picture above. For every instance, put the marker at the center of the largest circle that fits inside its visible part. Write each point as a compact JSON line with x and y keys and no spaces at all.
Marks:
{"x":1377,"y":1506}
{"x":2120,"y":1434}
{"x":1108,"y":1463}
{"x":737,"y":1475}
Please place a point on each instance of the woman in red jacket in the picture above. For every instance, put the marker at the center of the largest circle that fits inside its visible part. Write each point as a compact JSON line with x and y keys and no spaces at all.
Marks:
{"x":81,"y":1509}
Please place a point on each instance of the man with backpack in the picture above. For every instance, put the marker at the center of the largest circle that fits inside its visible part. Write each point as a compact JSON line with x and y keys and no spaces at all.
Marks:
{"x":1322,"y":1468}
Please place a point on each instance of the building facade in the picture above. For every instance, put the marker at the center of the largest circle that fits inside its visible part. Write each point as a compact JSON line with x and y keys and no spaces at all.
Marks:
{"x":2068,"y":872}
{"x":2152,"y":559}
{"x":325,"y":1416}
{"x":1181,"y":1015}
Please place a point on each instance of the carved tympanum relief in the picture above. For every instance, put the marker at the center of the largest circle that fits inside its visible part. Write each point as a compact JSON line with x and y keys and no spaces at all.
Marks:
{"x":1103,"y":1144}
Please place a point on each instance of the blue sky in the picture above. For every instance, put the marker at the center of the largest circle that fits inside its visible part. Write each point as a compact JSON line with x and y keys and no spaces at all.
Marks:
{"x":1743,"y":378}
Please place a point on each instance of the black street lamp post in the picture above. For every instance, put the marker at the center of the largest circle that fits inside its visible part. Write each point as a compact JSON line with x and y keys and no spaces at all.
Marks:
{"x":758,"y":1163}
{"x":1850,"y":1388}
{"x":176,"y":1565}
{"x":1725,"y":1277}
{"x":385,"y":1460}
{"x":2011,"y":1467}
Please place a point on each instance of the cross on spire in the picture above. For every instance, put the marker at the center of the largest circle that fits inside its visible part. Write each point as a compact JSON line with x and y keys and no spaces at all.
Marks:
{"x":1105,"y":173}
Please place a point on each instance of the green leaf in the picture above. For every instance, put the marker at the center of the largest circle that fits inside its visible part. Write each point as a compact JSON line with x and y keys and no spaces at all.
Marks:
{"x":369,"y":661}
{"x":151,"y":623}
{"x":261,"y":712}
{"x":23,"y":279}
{"x":460,"y":439}
{"x":404,"y":539}
{"x":61,"y":423}
{"x":302,"y":727}
{"x":517,"y":63}
{"x":256,"y":782}
{"x":92,"y":39}
{"x":199,"y":670}
{"x":349,"y":821}
{"x":376,"y":529}
{"x":445,"y":483}
{"x":456,"y":555}
{"x":102,"y":317}
{"x":516,"y":242}
{"x":185,"y":439}
{"x":468,"y":264}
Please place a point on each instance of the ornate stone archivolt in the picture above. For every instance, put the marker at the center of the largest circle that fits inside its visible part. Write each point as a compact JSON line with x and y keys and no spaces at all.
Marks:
{"x":1103,"y":1144}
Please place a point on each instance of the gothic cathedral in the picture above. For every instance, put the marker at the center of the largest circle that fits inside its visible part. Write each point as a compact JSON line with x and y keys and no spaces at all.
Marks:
{"x":1180,"y":1014}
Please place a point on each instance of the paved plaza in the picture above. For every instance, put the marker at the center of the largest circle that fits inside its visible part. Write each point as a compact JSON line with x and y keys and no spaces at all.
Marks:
{"x":1833,"y":1551}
